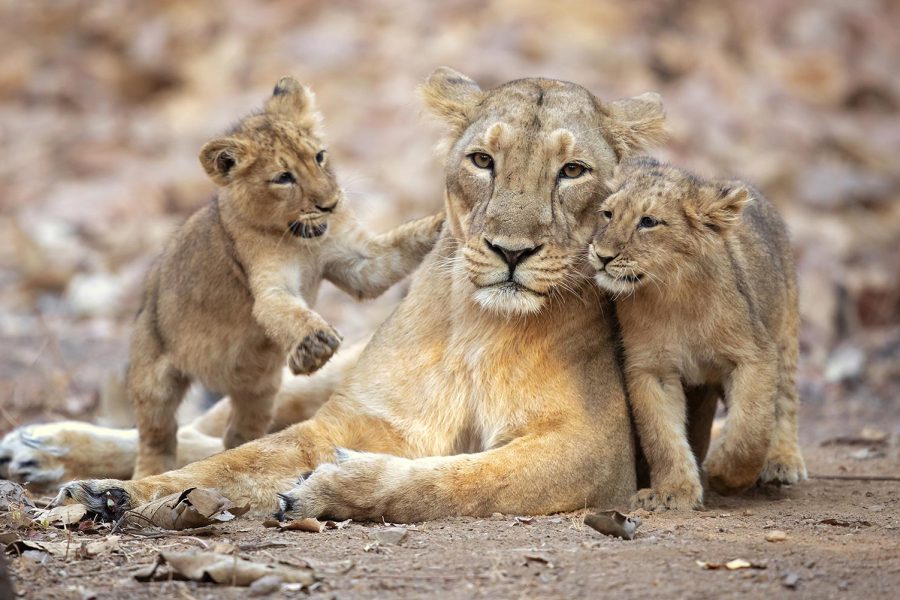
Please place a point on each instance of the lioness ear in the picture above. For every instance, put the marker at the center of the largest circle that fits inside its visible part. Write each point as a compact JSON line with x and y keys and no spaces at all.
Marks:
{"x":294,"y":101}
{"x":452,"y":97}
{"x":721,"y":206}
{"x":635,"y":124}
{"x":225,"y":157}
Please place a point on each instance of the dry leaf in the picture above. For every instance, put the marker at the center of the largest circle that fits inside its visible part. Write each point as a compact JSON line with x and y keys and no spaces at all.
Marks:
{"x":12,"y":496}
{"x":308,"y":525}
{"x":220,"y":568}
{"x":67,"y":550}
{"x":732,"y":565}
{"x":389,"y":535}
{"x":538,"y":558}
{"x":613,"y":523}
{"x":61,"y":516}
{"x":524,"y":520}
{"x":194,"y":507}
{"x":776,"y":536}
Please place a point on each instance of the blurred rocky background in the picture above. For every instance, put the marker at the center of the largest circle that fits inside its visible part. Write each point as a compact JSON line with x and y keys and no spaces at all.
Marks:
{"x":104,"y":106}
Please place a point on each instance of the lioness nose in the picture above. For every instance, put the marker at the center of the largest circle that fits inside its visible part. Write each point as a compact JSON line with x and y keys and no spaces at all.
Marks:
{"x":512,"y":257}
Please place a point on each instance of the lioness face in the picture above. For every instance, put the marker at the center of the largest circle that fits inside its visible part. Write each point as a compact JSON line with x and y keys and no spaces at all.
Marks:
{"x":656,"y":222}
{"x":276,"y":166}
{"x":527,"y":165}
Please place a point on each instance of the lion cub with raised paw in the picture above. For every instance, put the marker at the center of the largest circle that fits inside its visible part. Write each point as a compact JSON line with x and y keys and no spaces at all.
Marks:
{"x":229,"y":298}
{"x":706,"y":294}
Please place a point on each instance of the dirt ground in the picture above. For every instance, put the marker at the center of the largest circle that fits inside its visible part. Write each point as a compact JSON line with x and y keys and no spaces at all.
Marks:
{"x":104,"y":105}
{"x":843,"y":541}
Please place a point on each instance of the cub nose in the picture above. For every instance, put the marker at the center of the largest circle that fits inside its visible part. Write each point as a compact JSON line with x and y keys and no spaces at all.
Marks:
{"x":326,"y":207}
{"x":512,"y":257}
{"x":604,"y":260}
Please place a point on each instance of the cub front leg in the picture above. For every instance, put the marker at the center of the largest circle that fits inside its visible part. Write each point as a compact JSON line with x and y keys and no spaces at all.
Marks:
{"x":306,"y":337}
{"x":659,"y":409}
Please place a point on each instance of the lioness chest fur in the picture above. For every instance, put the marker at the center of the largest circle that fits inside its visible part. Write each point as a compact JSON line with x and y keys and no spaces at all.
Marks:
{"x":706,"y":294}
{"x":230,"y":297}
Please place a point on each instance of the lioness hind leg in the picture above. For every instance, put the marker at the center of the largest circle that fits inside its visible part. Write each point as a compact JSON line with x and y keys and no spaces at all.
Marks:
{"x":156,"y":389}
{"x":784,"y":461}
{"x":737,"y":458}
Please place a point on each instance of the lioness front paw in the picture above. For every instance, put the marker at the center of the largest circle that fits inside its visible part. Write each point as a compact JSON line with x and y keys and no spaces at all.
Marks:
{"x":348,"y":489}
{"x":784,"y":469}
{"x":686,"y":496}
{"x":314,"y":351}
{"x":729,"y":476}
{"x":106,"y":498}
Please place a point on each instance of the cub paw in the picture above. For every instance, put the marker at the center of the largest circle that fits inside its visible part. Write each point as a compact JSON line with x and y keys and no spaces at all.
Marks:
{"x":314,"y":351}
{"x":106,"y":498}
{"x":730,"y":480}
{"x":686,"y":496}
{"x":784,"y":469}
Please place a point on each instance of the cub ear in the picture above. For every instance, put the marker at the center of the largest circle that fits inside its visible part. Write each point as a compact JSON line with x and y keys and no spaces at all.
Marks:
{"x":224,"y":158}
{"x":721,"y":206}
{"x":452,"y":97}
{"x":295,"y":101}
{"x":635,"y":124}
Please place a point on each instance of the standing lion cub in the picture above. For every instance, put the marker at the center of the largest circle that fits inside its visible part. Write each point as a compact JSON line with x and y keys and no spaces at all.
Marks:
{"x":229,"y":298}
{"x":706,"y":294}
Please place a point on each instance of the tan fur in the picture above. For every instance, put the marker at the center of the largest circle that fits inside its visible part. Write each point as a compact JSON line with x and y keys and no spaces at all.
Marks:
{"x":707,"y":296}
{"x":230,"y":298}
{"x":494,"y":386}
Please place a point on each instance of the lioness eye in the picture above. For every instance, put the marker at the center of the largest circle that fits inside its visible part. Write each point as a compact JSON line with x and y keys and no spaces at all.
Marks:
{"x":572,"y":171}
{"x":647,"y":222}
{"x":482,"y":160}
{"x":320,"y":157}
{"x":606,"y":214}
{"x":285,"y":178}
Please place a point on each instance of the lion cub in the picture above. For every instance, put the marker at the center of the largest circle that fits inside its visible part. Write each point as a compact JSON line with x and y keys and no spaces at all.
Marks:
{"x":229,"y":298}
{"x":706,"y":294}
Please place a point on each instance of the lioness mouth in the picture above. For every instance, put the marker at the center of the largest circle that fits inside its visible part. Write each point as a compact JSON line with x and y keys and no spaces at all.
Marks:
{"x":307,"y":231}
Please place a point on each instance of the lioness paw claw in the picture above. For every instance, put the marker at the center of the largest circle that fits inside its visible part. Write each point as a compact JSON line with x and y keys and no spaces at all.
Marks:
{"x":314,"y":351}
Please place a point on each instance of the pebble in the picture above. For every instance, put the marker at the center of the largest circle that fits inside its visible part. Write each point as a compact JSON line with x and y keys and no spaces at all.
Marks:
{"x":776,"y":536}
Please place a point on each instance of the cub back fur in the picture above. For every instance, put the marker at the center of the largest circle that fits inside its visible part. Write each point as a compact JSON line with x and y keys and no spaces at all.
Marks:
{"x":230,"y":297}
{"x":706,"y":294}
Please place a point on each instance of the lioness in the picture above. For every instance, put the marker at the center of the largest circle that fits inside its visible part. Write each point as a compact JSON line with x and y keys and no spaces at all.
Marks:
{"x":494,"y":386}
{"x":706,"y":294}
{"x":229,"y":299}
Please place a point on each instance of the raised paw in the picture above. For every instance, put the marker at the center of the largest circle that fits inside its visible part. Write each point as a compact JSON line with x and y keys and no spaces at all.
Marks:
{"x":786,"y":469}
{"x":687,"y":496}
{"x":106,"y":498}
{"x":314,"y":350}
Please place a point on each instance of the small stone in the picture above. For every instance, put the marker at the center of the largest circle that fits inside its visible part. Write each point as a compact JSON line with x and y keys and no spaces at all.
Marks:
{"x":389,"y":535}
{"x":790,"y":581}
{"x":265,"y":585}
{"x":776,"y":536}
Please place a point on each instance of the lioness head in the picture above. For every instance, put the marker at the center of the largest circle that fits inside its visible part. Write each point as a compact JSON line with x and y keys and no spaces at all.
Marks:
{"x":656,"y":221}
{"x":527,"y":165}
{"x":274,"y":165}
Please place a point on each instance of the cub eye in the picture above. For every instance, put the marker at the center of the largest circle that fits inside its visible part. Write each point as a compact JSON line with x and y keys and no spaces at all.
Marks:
{"x":647,"y":222}
{"x":572,"y":171}
{"x":320,"y":157}
{"x":607,"y":214}
{"x":284,"y":178}
{"x":482,"y":160}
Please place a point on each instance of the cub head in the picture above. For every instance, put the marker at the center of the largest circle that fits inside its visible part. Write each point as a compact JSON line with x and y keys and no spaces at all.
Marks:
{"x":274,"y":166}
{"x":527,"y":164}
{"x":657,"y":221}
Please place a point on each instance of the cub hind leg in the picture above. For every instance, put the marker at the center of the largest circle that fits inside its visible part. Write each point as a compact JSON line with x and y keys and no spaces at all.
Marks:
{"x":784,"y":461}
{"x":156,"y":389}
{"x":738,"y":456}
{"x":252,"y":407}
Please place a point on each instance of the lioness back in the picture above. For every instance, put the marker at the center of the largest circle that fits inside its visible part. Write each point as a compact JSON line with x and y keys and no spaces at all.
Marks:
{"x":706,"y":294}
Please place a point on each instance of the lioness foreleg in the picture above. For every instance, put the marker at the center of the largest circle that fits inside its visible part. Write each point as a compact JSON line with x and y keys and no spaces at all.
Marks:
{"x":535,"y":474}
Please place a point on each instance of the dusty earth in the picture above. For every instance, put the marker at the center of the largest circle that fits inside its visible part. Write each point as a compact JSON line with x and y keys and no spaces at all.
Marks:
{"x":842,"y":541}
